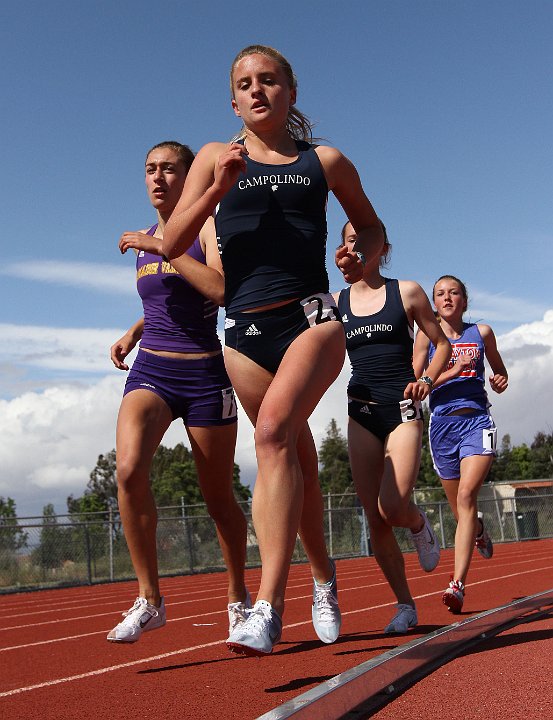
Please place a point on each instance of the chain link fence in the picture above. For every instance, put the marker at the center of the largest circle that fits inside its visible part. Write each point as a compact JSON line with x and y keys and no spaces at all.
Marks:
{"x":51,"y":552}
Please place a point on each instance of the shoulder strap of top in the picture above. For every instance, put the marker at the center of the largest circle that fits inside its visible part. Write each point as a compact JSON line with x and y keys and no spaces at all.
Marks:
{"x":343,"y":301}
{"x":392,"y":287}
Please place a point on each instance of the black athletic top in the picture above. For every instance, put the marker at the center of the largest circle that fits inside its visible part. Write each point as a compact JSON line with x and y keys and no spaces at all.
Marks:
{"x":271,"y":232}
{"x":380,"y":348}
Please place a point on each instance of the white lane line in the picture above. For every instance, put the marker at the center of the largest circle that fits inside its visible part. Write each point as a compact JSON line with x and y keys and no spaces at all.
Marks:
{"x":420,"y":597}
{"x":153,"y":658}
{"x":104,"y":599}
{"x":354,"y":566}
{"x":177,"y":583}
{"x":101,"y":671}
{"x":292,"y":586}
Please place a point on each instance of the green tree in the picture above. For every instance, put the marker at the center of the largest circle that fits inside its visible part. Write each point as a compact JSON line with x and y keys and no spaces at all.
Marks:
{"x":173,"y":476}
{"x":103,"y":479}
{"x":12,"y":537}
{"x":178,"y":480}
{"x":101,"y":490}
{"x":334,"y":467}
{"x":542,"y":456}
{"x":54,"y":545}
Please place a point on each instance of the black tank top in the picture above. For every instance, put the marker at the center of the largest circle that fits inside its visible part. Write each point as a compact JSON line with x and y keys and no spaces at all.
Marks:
{"x":271,"y":232}
{"x":380,"y":348}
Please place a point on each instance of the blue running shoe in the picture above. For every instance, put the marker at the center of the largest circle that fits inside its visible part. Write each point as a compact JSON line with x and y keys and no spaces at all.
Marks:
{"x":327,"y":618}
{"x":405,"y":618}
{"x":259,"y":633}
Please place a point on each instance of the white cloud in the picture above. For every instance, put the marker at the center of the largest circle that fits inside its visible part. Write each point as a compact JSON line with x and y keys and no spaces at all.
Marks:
{"x":59,"y":476}
{"x":74,"y":350}
{"x":524,"y":408}
{"x":534,"y":333}
{"x":102,"y":277}
{"x":497,"y":307}
{"x":51,"y":438}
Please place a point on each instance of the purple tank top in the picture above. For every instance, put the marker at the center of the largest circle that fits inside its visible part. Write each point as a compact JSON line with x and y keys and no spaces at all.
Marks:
{"x":177,"y":318}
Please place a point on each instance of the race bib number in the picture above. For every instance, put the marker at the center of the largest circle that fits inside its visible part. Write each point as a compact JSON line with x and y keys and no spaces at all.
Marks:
{"x":229,"y":403}
{"x":489,"y":439}
{"x":319,"y":308}
{"x":410,"y":410}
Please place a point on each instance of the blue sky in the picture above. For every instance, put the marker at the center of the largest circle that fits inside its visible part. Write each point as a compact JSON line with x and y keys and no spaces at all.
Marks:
{"x":445,"y":108}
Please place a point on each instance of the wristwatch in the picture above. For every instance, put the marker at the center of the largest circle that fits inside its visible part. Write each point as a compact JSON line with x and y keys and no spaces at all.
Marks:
{"x":426,"y":380}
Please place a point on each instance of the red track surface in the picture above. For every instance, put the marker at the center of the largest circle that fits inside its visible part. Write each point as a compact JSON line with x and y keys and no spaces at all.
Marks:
{"x":56,"y":662}
{"x":508,"y":676}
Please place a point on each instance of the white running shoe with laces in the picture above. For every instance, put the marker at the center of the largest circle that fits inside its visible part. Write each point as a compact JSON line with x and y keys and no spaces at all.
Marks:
{"x":141,"y":617}
{"x":238,"y":613}
{"x":325,"y":612}
{"x":259,"y":634}
{"x":405,"y":618}
{"x":427,"y":545}
{"x":483,"y":542}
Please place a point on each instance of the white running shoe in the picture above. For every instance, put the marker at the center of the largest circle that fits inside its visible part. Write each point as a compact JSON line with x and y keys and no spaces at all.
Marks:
{"x":140,"y":618}
{"x":405,"y":618}
{"x":238,"y":613}
{"x":259,"y":634}
{"x":427,"y":545}
{"x":484,"y":543}
{"x":325,"y":612}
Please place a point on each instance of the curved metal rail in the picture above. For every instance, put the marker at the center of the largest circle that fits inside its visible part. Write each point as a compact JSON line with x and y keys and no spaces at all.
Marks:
{"x":380,"y":675}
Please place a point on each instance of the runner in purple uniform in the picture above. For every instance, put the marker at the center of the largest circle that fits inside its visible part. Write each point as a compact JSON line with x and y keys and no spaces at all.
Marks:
{"x":284,"y":342}
{"x":178,"y":373}
{"x":462,"y":432}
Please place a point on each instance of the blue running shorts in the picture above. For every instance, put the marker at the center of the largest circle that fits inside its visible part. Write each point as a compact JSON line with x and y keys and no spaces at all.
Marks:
{"x":454,"y":437}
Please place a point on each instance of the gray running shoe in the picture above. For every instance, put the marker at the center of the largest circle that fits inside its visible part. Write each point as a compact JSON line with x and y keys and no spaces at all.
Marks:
{"x":326,"y":615}
{"x":142,"y":617}
{"x":484,"y":543}
{"x":405,"y":618}
{"x":238,"y":613}
{"x":427,"y":545}
{"x":259,"y":633}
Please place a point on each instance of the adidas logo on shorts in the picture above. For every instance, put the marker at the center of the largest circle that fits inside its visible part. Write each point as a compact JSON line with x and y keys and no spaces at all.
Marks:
{"x":366,"y":410}
{"x":252,"y":330}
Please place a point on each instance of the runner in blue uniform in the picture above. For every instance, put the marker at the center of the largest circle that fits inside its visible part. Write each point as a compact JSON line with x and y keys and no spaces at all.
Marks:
{"x":385,"y":418}
{"x":284,"y":340}
{"x":462,"y":432}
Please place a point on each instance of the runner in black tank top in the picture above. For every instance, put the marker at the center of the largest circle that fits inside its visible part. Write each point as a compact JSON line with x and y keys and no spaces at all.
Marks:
{"x":274,"y":249}
{"x":385,"y":420}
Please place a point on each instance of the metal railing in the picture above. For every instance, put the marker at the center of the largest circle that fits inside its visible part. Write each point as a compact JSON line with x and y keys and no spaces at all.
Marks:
{"x":38,"y":553}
